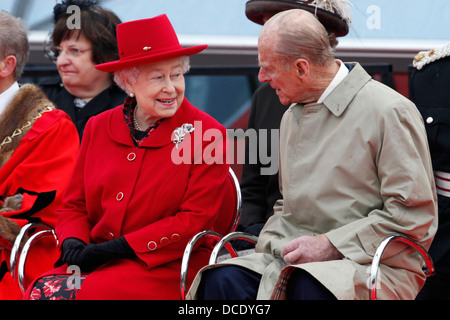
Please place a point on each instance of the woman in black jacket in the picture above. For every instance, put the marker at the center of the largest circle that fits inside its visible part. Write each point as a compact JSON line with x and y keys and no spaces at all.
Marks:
{"x":81,"y":90}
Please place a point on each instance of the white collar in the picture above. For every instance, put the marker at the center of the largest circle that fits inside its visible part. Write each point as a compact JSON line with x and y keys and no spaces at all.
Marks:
{"x":340,"y":75}
{"x":6,"y":96}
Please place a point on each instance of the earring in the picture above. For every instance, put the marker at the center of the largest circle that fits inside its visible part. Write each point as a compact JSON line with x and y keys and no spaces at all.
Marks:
{"x":132,"y":95}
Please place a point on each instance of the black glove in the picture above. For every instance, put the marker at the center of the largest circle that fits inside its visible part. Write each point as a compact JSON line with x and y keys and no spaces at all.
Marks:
{"x":90,"y":257}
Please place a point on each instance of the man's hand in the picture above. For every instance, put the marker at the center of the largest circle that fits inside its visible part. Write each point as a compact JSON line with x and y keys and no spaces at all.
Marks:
{"x":12,"y":203}
{"x":9,"y":230}
{"x":310,"y":249}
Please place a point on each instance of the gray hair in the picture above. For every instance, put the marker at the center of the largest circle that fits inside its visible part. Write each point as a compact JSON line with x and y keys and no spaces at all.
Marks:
{"x":299,"y":34}
{"x":131,"y":74}
{"x":14,"y":41}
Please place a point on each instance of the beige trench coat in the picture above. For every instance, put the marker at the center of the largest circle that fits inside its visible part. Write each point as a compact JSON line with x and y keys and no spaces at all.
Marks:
{"x":356,"y":168}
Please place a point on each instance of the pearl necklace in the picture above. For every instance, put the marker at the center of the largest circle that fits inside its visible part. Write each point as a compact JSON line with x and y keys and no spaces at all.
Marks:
{"x":136,"y":124}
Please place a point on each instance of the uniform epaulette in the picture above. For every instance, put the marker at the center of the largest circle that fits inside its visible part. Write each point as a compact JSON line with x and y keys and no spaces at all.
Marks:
{"x":426,"y":57}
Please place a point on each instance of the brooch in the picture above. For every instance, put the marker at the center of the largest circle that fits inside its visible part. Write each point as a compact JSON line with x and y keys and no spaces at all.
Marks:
{"x":181,"y":132}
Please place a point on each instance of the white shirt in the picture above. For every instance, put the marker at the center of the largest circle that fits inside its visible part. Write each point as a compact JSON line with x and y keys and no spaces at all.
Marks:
{"x":340,"y":75}
{"x":6,"y":96}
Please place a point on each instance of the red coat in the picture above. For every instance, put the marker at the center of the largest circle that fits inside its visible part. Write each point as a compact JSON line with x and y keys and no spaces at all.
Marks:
{"x":42,"y":163}
{"x":142,"y":194}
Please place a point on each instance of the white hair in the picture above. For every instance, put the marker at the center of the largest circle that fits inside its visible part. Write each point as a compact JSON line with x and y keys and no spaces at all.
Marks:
{"x":299,"y":34}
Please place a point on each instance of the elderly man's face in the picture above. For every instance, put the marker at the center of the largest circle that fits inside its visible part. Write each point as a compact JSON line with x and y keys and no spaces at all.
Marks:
{"x":280,"y":78}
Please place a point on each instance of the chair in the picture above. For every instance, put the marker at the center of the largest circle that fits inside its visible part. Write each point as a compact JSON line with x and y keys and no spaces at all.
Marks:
{"x":428,"y":268}
{"x":19,"y":254}
{"x":226,"y":223}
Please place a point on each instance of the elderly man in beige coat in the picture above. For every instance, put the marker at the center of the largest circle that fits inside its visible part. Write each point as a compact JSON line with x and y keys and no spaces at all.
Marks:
{"x":354,"y":168}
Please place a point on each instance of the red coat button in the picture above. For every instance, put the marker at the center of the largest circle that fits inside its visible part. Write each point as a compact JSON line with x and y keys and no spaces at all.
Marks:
{"x":175,"y":237}
{"x":164,"y":241}
{"x":152,"y":245}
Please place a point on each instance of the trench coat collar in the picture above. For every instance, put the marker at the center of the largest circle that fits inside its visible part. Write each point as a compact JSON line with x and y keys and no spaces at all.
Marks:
{"x":338,"y":100}
{"x":160,"y":137}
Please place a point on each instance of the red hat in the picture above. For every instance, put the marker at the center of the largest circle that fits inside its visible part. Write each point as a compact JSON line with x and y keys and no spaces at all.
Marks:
{"x":147,"y":41}
{"x":333,"y":22}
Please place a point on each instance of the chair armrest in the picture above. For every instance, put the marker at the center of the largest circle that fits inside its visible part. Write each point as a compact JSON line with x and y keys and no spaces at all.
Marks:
{"x":428,"y":270}
{"x":238,"y":211}
{"x":224,"y":243}
{"x":24,"y":253}
{"x":187,"y":255}
{"x":15,"y":251}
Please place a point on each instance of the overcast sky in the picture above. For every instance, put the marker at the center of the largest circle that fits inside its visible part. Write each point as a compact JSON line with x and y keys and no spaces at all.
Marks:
{"x":372,"y":19}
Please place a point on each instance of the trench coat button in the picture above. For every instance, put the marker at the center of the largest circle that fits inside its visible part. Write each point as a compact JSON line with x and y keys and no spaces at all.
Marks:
{"x":164,"y":241}
{"x":131,"y":157}
{"x":152,"y":246}
{"x":119,"y":196}
{"x":430,"y":120}
{"x":175,"y":237}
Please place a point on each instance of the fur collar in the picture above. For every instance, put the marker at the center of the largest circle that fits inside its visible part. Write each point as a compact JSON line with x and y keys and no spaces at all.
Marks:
{"x":18,"y":117}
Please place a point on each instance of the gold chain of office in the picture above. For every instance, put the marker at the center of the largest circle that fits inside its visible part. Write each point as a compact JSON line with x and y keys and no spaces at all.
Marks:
{"x":28,"y":124}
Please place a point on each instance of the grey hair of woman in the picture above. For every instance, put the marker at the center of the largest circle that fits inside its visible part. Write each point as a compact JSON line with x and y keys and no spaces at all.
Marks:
{"x":131,"y":74}
{"x":299,"y":35}
{"x":14,"y":41}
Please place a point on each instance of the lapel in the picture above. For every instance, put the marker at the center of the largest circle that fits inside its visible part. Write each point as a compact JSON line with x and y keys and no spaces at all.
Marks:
{"x":161,"y":137}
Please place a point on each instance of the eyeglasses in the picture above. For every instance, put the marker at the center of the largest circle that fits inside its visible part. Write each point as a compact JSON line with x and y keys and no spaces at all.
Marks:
{"x":72,"y":52}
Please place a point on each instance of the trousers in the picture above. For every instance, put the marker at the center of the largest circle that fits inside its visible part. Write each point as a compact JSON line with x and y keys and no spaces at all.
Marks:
{"x":237,"y":283}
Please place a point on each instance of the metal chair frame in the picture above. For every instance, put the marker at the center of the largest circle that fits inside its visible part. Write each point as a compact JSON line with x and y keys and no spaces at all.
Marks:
{"x":209,"y":234}
{"x":428,"y":269}
{"x":225,"y":243}
{"x":18,"y":257}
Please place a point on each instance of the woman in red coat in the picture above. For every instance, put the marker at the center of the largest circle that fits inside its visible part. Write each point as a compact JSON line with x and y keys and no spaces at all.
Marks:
{"x":148,"y":178}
